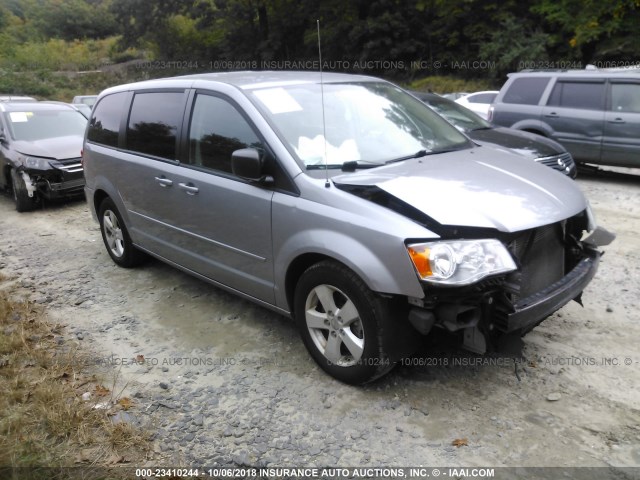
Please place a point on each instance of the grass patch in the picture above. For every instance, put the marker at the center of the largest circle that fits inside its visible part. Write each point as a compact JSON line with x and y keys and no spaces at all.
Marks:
{"x":444,"y":84}
{"x":44,"y":421}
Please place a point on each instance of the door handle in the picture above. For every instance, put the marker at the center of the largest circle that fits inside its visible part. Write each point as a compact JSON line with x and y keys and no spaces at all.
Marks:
{"x":552,"y":115}
{"x":164,"y":181}
{"x":189,"y":188}
{"x":617,"y":120}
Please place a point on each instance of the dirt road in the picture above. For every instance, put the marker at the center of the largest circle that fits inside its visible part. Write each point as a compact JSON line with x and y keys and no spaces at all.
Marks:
{"x":224,"y":382}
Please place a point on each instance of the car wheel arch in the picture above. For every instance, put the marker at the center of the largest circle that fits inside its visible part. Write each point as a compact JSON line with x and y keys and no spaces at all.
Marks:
{"x":105,"y":190}
{"x":360,"y":351}
{"x":382,"y":281}
{"x":116,"y":236}
{"x":535,"y":131}
{"x":295,"y":270}
{"x":534,"y":126}
{"x":98,"y":197}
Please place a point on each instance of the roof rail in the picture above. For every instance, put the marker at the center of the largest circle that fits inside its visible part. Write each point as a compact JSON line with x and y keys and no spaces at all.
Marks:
{"x":533,"y":70}
{"x":612,"y":68}
{"x":635,"y":68}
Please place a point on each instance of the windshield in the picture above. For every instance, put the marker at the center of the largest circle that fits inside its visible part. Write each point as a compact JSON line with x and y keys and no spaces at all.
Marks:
{"x":461,"y":117}
{"x":368,"y":123}
{"x":31,"y":126}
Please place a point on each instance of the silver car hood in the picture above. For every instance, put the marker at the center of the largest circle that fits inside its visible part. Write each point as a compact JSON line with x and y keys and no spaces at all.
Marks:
{"x":60,"y":148}
{"x":479,"y":187}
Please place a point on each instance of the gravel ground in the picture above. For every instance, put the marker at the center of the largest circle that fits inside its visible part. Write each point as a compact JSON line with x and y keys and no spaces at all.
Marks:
{"x":224,"y":382}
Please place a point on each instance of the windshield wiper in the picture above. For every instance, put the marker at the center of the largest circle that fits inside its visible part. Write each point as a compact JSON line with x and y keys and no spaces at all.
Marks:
{"x":418,"y":154}
{"x":354,"y":165}
{"x":350,"y":166}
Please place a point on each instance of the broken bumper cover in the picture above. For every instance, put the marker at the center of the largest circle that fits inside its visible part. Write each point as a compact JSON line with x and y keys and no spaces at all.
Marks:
{"x":530,"y":311}
{"x":55,"y":183}
{"x":66,"y":188}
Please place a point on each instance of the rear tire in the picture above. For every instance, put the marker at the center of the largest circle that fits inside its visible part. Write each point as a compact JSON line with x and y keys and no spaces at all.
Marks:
{"x":116,"y":237}
{"x":24,"y":203}
{"x":341,"y":322}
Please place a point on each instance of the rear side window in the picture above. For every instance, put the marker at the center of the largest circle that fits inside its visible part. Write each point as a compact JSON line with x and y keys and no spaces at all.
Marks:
{"x":526,"y":91}
{"x":105,"y":120}
{"x":153,"y":123}
{"x":625,"y":97}
{"x":217,"y":130}
{"x":583,"y":95}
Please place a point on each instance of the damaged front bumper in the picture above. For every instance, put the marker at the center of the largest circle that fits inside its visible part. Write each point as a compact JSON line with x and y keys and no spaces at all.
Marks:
{"x":530,"y":311}
{"x":500,"y":306}
{"x":65,"y":178}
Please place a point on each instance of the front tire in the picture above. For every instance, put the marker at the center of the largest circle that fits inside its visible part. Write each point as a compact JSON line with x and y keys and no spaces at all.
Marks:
{"x":341,"y":322}
{"x":116,"y":237}
{"x":24,"y":203}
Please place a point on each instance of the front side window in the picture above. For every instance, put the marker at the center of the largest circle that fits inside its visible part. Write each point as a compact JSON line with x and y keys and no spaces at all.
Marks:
{"x":105,"y":120}
{"x":368,"y":122}
{"x":625,"y":97}
{"x":153,"y":123}
{"x":583,"y":95}
{"x":526,"y":91}
{"x":217,"y":129}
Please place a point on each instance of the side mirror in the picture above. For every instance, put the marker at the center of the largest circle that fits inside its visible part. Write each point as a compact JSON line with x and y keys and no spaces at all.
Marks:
{"x":246,"y":163}
{"x":3,"y":138}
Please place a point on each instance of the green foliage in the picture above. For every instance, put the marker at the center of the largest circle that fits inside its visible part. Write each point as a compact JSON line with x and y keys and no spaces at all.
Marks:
{"x":32,"y":84}
{"x":442,"y":84}
{"x":56,"y":54}
{"x":468,"y":44}
{"x":453,"y":32}
{"x":586,"y":26}
{"x":46,"y":85}
{"x":73,"y":19}
{"x":512,"y":45}
{"x":174,"y":29}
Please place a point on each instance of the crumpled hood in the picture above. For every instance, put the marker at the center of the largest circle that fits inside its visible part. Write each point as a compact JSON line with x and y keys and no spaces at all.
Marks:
{"x":479,"y":187}
{"x":60,"y":148}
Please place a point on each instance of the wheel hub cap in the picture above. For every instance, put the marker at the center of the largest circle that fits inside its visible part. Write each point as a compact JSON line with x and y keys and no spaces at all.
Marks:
{"x":334,"y":325}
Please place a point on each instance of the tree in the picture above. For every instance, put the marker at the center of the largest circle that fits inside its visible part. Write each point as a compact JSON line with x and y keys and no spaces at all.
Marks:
{"x":513,"y":45}
{"x":170,"y":27}
{"x":588,"y":29}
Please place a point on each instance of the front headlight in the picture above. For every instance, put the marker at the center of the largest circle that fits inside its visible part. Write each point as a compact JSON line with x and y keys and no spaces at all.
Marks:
{"x":35,"y":163}
{"x":460,"y":262}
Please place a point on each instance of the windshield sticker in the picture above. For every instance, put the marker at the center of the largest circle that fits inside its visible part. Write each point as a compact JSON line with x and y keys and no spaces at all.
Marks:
{"x":278,"y":100}
{"x":17,"y":117}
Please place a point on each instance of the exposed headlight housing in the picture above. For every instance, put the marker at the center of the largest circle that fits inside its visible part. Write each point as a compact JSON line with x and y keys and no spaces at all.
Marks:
{"x":460,"y":262}
{"x":35,"y":163}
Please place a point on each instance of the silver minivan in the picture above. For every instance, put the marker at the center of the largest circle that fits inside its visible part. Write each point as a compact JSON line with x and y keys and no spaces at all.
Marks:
{"x":346,"y":204}
{"x":594,"y":114}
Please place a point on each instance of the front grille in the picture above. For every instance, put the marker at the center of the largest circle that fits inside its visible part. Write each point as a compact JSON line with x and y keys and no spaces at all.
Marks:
{"x":71,"y":165}
{"x":540,"y":254}
{"x":563,"y":163}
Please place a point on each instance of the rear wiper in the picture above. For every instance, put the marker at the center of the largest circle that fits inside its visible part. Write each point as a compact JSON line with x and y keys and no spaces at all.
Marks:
{"x":350,"y":166}
{"x":418,"y":154}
